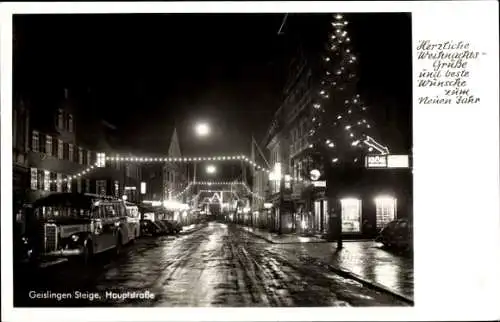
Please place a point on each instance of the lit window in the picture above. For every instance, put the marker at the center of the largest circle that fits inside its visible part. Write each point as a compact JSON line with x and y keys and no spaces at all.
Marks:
{"x":70,"y":152}
{"x":60,"y":149}
{"x":35,"y":141}
{"x":68,"y":185}
{"x":79,"y":185}
{"x":48,"y":145}
{"x":351,"y":215}
{"x":34,"y":179}
{"x":89,"y":157}
{"x":59,"y":183}
{"x":117,"y":189}
{"x":46,"y":180}
{"x":386,"y":208}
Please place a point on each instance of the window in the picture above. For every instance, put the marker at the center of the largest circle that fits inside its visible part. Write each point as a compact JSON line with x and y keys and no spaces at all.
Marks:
{"x":89,"y":158}
{"x":79,"y":185}
{"x":68,"y":184}
{"x":60,"y":119}
{"x":101,"y":187}
{"x":53,"y":178}
{"x":71,"y":152}
{"x":70,"y":123}
{"x":60,"y":150}
{"x":386,"y":208}
{"x":59,"y":183}
{"x":40,"y":179}
{"x":80,"y":156}
{"x":34,"y":179}
{"x":351,"y":215}
{"x":87,"y":185}
{"x":48,"y":145}
{"x":35,"y":141}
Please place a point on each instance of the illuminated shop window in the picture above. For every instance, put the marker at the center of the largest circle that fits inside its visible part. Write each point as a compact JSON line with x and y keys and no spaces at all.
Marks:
{"x":351,"y":215}
{"x":46,"y":180}
{"x":34,"y":178}
{"x":386,"y":208}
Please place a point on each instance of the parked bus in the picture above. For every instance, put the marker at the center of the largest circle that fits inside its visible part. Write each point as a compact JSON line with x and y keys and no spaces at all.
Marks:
{"x":76,"y":225}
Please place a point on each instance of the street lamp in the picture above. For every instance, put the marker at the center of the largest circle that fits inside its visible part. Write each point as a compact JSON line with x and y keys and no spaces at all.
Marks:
{"x":202,"y":129}
{"x":211,"y":169}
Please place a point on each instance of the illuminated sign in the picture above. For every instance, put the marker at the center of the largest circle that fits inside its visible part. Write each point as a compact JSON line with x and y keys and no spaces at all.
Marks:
{"x":315,"y":174}
{"x":376,"y":161}
{"x":319,"y":184}
{"x":398,"y":161}
{"x":387,"y":161}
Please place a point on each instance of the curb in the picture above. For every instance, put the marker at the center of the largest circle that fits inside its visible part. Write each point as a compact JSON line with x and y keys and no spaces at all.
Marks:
{"x":370,"y":284}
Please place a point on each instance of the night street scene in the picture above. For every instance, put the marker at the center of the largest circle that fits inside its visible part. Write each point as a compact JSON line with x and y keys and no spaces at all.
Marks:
{"x":212,"y":160}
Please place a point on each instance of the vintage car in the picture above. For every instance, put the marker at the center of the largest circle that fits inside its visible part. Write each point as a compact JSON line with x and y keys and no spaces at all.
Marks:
{"x":397,"y":234}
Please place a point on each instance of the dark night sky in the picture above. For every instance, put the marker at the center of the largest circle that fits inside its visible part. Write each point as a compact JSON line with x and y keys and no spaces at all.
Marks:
{"x":149,"y":72}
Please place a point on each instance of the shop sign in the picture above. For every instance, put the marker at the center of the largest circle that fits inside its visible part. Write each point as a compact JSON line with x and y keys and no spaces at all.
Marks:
{"x":319,"y":184}
{"x":398,"y":161}
{"x":376,"y":161}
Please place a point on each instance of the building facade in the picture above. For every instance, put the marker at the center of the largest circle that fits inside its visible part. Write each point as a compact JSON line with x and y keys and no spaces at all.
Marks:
{"x":50,"y":145}
{"x":365,"y":199}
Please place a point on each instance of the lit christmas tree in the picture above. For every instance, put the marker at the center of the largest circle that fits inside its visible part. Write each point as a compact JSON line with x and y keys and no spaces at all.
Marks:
{"x":342,"y":131}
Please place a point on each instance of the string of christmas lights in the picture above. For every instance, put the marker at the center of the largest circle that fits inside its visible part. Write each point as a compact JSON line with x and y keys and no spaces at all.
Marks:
{"x":340,"y":71}
{"x":75,"y":176}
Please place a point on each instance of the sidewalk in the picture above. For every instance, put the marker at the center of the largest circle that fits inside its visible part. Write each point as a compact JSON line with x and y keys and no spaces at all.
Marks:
{"x":281,"y":239}
{"x":363,"y":261}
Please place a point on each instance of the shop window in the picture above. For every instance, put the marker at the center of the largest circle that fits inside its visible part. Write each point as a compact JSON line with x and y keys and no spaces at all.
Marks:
{"x":34,"y":179}
{"x":386,"y":208}
{"x":351,"y":215}
{"x":35,"y":141}
{"x":59,"y":182}
{"x":68,"y":184}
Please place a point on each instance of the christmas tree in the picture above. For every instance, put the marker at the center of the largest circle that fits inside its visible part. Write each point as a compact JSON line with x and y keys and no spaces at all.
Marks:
{"x":342,"y":132}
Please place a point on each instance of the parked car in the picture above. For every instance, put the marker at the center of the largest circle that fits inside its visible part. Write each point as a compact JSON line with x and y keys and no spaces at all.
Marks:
{"x":172,"y":227}
{"x":397,"y":234}
{"x":151,"y":228}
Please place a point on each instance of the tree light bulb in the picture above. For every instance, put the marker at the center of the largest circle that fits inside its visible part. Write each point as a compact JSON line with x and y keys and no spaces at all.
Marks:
{"x":338,"y":72}
{"x":338,"y":16}
{"x":347,"y":50}
{"x":327,"y":58}
{"x":347,"y":127}
{"x":351,"y":135}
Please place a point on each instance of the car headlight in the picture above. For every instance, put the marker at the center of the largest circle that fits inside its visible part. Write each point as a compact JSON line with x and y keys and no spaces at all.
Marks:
{"x":75,"y":238}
